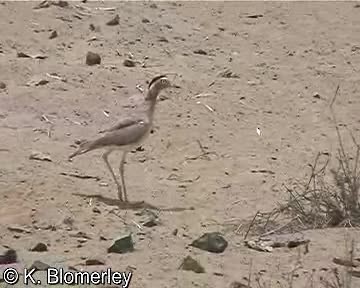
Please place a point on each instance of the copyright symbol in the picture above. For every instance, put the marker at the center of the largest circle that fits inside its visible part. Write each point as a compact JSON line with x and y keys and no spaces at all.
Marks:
{"x":11,"y":276}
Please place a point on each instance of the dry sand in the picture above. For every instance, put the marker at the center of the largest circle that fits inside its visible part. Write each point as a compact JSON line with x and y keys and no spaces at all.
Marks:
{"x":286,"y":63}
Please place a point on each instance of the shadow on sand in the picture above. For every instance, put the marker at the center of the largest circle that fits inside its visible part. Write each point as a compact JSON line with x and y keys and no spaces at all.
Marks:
{"x":131,"y":205}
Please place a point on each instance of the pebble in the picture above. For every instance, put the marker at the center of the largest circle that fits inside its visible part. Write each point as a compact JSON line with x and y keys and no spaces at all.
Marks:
{"x":122,"y":245}
{"x":129,"y":63}
{"x":114,"y":21}
{"x":211,"y":242}
{"x":190,"y":264}
{"x":39,"y":247}
{"x":200,"y":52}
{"x":92,"y":58}
{"x":53,"y":34}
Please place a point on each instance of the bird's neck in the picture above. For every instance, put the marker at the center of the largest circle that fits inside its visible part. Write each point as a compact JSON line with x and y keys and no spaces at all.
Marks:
{"x":151,"y":98}
{"x":152,"y":94}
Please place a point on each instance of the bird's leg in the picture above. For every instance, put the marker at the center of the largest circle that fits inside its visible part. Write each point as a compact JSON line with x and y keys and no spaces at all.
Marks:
{"x":105,"y":157}
{"x":121,"y":169}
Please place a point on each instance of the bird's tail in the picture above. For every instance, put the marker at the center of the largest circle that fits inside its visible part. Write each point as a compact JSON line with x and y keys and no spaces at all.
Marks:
{"x":84,"y":147}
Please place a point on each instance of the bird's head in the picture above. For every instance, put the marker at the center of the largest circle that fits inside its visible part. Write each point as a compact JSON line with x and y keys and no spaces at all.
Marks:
{"x":157,"y":84}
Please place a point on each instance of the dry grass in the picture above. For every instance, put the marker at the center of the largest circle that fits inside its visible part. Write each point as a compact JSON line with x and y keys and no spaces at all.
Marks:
{"x":328,"y":198}
{"x":334,"y":278}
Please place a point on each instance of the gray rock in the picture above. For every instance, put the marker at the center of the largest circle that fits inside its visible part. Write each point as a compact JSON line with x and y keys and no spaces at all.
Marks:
{"x":114,"y":21}
{"x":200,"y":52}
{"x":39,"y":247}
{"x":190,"y":264}
{"x":92,"y":58}
{"x":53,"y":34}
{"x":8,"y":257}
{"x":94,"y":262}
{"x":129,"y":63}
{"x":211,"y":242}
{"x":237,"y":284}
{"x":39,"y":266}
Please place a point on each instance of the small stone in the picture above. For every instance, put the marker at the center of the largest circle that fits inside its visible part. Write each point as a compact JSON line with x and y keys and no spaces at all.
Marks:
{"x":129,"y":63}
{"x":122,"y":245}
{"x":26,"y":55}
{"x":150,"y":219}
{"x":316,"y":95}
{"x":39,"y":247}
{"x":175,"y":232}
{"x":114,"y":21}
{"x":69,"y":221}
{"x":151,"y":222}
{"x":2,"y":85}
{"x":237,"y":284}
{"x":190,"y":264}
{"x":163,"y":39}
{"x":19,"y":229}
{"x":80,"y":234}
{"x":92,"y":58}
{"x":211,"y":242}
{"x":153,"y":6}
{"x":94,"y":262}
{"x":72,"y":268}
{"x":253,"y":82}
{"x":200,"y":52}
{"x":61,"y":3}
{"x":36,"y":155}
{"x":8,"y":257}
{"x":254,"y":16}
{"x":145,"y":20}
{"x":163,"y":97}
{"x":96,"y":210}
{"x":53,"y":34}
{"x":102,"y":238}
{"x":79,"y":141}
{"x":39,"y":266}
{"x":228,"y":74}
{"x":37,"y":81}
{"x":43,"y":4}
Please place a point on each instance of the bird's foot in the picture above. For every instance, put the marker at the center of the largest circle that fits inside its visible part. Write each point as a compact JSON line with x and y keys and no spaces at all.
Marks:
{"x":120,"y":195}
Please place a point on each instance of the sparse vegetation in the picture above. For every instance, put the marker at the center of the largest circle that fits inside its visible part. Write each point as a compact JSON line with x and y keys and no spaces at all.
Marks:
{"x":328,"y":198}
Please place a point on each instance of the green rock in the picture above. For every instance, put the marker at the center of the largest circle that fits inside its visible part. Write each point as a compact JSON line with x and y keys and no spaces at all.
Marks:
{"x":122,"y":245}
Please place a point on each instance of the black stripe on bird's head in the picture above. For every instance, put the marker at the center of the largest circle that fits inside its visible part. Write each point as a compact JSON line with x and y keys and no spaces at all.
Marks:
{"x":157,"y":79}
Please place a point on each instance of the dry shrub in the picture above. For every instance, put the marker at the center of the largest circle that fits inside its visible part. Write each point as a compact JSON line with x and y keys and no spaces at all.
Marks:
{"x":329,"y":197}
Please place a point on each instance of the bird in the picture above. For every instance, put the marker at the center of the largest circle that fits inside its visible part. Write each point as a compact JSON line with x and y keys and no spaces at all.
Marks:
{"x":128,"y":133}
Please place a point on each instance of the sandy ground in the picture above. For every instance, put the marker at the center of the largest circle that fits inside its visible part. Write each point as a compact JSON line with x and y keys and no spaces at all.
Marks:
{"x":288,"y":61}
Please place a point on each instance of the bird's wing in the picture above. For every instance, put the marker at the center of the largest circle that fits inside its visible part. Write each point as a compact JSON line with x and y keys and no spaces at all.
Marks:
{"x":127,"y":135}
{"x":122,"y":124}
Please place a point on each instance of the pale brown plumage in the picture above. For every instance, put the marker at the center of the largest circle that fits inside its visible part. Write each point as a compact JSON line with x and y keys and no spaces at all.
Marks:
{"x":128,"y":133}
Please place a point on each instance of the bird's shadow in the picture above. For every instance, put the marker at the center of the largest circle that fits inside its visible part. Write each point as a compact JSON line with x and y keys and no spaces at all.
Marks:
{"x":135,"y":205}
